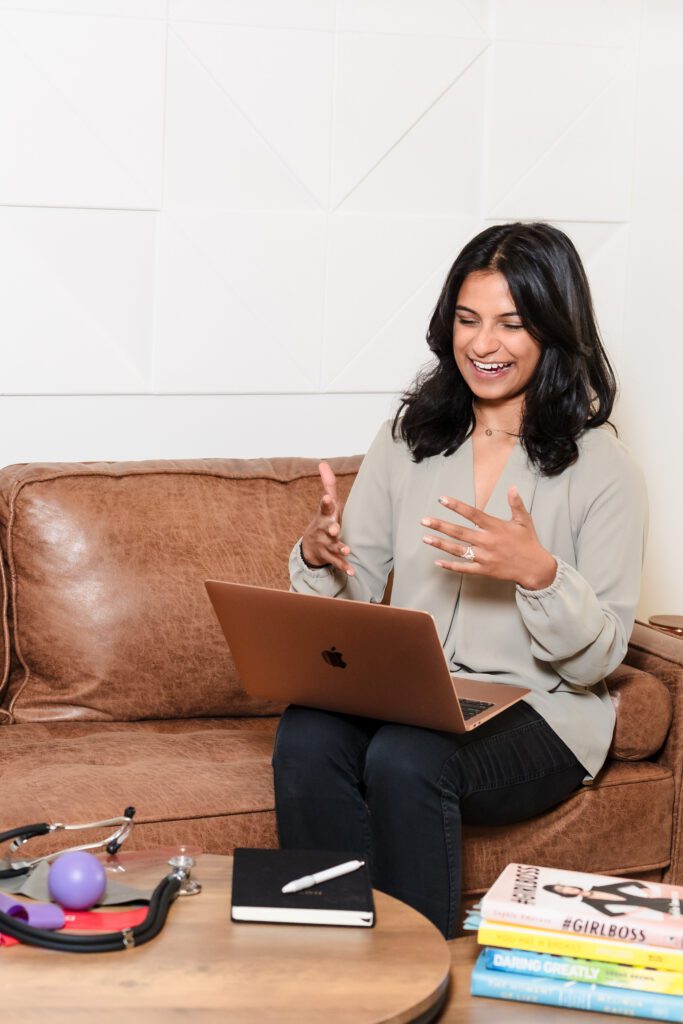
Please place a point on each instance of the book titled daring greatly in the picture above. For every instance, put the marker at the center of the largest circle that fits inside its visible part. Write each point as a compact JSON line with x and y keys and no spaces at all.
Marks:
{"x":598,"y":906}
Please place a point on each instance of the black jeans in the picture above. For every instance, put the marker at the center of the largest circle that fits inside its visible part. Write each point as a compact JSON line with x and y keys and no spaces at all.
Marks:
{"x":397,"y":794}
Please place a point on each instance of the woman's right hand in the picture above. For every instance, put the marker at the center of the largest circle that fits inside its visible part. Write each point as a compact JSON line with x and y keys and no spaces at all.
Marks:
{"x":321,"y":543}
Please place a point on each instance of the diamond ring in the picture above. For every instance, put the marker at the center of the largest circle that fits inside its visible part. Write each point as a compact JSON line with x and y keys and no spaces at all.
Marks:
{"x":469,"y":554}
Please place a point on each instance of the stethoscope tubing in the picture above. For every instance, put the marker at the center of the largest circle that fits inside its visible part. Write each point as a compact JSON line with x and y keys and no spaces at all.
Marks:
{"x":107,"y":942}
{"x":24,"y":832}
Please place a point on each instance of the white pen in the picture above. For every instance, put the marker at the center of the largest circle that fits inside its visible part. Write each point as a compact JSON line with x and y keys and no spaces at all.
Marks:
{"x":322,"y":876}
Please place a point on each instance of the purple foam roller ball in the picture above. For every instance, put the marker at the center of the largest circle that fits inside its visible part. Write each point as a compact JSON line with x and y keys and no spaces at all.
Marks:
{"x":76,"y":880}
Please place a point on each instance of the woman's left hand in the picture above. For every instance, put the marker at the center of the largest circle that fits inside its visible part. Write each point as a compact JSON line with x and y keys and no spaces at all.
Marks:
{"x":504,"y":549}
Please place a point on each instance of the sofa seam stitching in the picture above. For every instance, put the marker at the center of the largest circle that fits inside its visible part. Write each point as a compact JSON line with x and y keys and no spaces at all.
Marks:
{"x":49,"y":478}
{"x":17,"y":487}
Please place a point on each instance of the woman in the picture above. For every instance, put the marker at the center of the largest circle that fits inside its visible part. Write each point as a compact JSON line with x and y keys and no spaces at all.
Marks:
{"x":507,"y":510}
{"x":614,"y":900}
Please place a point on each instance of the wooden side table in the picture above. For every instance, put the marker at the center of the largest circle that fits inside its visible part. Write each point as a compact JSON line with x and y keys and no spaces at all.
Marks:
{"x":203,"y":967}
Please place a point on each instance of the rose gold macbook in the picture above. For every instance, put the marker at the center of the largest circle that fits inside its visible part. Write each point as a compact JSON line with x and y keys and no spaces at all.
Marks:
{"x":350,"y":656}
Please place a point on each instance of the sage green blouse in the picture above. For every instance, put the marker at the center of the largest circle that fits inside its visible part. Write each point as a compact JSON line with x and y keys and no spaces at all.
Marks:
{"x":560,"y":641}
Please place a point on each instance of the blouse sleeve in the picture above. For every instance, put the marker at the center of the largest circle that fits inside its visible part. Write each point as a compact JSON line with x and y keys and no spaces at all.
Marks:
{"x":582,"y":621}
{"x":366,"y":529}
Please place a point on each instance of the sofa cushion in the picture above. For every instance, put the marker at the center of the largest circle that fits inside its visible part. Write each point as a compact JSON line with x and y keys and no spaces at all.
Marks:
{"x":106,"y":565}
{"x":620,"y":825}
{"x":644,"y":711}
{"x":206,"y":782}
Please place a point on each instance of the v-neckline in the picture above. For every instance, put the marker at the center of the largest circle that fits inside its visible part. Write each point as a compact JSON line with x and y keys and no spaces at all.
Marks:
{"x":494,"y":497}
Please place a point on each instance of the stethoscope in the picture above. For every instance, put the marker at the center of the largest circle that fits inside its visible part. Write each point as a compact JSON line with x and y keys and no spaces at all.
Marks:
{"x":176,"y":883}
{"x":10,"y":868}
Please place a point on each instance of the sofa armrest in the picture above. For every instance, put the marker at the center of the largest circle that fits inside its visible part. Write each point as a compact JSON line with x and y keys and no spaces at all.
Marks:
{"x":660,"y":654}
{"x":644,"y":710}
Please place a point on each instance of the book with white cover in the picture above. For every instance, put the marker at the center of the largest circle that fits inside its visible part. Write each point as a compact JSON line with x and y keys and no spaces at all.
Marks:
{"x":592,"y":905}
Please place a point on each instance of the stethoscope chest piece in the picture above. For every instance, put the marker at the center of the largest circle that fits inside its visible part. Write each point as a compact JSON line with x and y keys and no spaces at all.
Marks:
{"x":182,"y":864}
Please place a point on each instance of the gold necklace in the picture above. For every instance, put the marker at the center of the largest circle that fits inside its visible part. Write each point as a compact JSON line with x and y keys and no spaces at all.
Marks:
{"x":490,"y":431}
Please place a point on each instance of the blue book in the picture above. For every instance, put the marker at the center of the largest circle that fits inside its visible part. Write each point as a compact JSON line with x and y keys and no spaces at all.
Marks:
{"x":592,"y":972}
{"x":573,"y":995}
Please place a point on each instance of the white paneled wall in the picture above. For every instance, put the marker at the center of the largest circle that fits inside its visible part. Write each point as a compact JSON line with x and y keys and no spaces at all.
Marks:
{"x":224,"y":223}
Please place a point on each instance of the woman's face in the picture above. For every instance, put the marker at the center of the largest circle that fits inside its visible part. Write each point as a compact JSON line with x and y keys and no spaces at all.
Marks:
{"x":493,"y":351}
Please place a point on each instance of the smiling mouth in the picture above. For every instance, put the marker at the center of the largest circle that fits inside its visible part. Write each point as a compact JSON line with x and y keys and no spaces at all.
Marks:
{"x":490,"y":369}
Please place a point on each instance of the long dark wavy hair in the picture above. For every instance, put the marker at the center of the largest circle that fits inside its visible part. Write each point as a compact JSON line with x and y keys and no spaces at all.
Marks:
{"x":573,"y":386}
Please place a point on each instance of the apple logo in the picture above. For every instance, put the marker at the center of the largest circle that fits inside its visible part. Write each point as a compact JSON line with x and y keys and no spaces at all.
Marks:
{"x":334,"y":658}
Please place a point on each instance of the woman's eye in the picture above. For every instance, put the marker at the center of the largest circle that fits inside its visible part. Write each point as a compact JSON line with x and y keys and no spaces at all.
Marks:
{"x":514,"y":327}
{"x":467,"y":323}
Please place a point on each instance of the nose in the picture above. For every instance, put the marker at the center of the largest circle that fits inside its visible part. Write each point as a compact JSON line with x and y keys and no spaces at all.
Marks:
{"x":486,"y":341}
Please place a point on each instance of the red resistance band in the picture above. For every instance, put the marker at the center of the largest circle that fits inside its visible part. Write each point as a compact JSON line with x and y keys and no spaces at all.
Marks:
{"x":94,"y":921}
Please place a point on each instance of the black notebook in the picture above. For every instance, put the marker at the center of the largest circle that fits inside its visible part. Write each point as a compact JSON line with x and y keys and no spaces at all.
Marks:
{"x":259,"y":875}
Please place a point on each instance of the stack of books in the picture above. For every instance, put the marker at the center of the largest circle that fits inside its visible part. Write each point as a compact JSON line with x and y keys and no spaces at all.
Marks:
{"x":584,"y":941}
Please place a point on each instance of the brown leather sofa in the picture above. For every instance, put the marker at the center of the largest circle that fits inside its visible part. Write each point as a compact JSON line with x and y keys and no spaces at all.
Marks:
{"x":117,"y":687}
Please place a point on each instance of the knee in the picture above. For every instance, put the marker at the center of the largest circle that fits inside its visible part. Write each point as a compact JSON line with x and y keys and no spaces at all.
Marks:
{"x":314,"y":744}
{"x":299,"y":737}
{"x":398,"y":761}
{"x":406,"y":760}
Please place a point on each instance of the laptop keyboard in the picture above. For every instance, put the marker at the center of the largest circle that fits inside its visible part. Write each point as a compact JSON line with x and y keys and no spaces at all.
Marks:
{"x":470,"y":708}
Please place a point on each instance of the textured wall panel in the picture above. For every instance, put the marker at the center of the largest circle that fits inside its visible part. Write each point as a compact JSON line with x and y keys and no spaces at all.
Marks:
{"x":428,"y":17}
{"x":435,"y":167}
{"x":76,"y":300}
{"x":214,"y":334}
{"x":537,"y":96}
{"x":385,"y":83}
{"x":119,"y":8}
{"x":216,"y":156}
{"x":585,"y":174}
{"x":81,"y":113}
{"x":239,"y":305}
{"x":306,"y":14}
{"x":281,"y":82}
{"x":73,"y":428}
{"x":588,"y":22}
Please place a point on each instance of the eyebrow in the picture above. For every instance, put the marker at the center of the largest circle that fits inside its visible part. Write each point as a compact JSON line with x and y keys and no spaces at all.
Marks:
{"x":467,"y":309}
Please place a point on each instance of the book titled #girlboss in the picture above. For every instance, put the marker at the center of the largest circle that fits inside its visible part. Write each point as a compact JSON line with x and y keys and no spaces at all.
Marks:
{"x":598,"y":906}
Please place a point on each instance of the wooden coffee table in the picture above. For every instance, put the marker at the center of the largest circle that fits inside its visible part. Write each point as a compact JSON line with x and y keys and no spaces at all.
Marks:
{"x":205,"y":968}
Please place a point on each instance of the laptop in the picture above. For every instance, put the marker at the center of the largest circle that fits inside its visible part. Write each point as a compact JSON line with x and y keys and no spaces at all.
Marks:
{"x":350,"y":656}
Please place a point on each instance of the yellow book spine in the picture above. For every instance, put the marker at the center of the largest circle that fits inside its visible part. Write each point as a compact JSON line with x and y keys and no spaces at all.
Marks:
{"x":538,"y":941}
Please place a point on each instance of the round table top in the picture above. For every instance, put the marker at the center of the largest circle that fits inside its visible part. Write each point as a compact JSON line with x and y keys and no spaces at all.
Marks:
{"x":203,"y":965}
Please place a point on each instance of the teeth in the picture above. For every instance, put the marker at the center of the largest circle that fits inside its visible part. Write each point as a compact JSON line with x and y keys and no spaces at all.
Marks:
{"x":490,"y":366}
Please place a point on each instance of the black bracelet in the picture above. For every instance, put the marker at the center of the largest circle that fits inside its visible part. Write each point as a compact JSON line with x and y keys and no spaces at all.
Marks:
{"x":327,"y":565}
